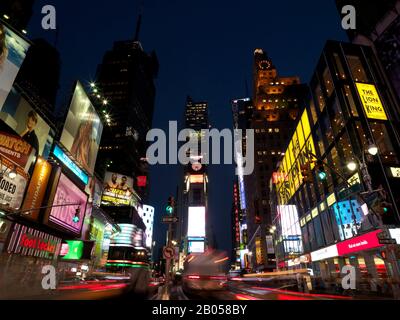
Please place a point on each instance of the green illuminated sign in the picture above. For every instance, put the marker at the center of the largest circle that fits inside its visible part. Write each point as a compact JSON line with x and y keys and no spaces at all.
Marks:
{"x":75,"y":250}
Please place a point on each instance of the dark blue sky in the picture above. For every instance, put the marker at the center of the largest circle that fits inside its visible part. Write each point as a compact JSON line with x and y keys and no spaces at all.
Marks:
{"x":205,"y":50}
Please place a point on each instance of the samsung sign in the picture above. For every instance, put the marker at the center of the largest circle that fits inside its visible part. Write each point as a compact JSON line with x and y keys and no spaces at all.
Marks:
{"x":62,"y":156}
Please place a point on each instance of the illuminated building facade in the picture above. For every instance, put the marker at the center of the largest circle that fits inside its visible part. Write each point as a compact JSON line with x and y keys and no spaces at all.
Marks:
{"x":378,"y":25}
{"x":277,"y":104}
{"x":192,"y":230}
{"x":324,"y":223}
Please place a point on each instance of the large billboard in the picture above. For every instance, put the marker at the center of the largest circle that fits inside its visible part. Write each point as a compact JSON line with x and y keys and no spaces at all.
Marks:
{"x":118,"y":190}
{"x":69,"y":206}
{"x":371,"y":101}
{"x":82,"y":130}
{"x":18,"y":114}
{"x":13,"y":51}
{"x":197,"y":222}
{"x":290,"y":225}
{"x":296,"y":155}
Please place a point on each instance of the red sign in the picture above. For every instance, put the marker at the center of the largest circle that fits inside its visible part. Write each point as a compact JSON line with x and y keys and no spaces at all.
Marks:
{"x":364,"y":242}
{"x":31,"y":242}
{"x":141,"y":181}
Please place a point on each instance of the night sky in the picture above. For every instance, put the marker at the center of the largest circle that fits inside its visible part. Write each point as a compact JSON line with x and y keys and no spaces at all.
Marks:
{"x":205,"y":50}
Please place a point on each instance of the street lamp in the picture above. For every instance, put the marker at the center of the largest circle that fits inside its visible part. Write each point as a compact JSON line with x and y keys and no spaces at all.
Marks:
{"x":352,"y":166}
{"x":372,"y":149}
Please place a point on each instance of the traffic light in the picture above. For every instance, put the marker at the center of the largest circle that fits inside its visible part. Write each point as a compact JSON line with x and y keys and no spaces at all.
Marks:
{"x":322,"y":175}
{"x":306,"y":172}
{"x":170,"y":208}
{"x":76,"y":218}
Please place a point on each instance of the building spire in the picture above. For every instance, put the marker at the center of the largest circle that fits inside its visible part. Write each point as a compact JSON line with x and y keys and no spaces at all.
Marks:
{"x":139,"y":21}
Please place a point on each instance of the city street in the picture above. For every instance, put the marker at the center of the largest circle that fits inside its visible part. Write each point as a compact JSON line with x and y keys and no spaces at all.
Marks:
{"x":200,"y":151}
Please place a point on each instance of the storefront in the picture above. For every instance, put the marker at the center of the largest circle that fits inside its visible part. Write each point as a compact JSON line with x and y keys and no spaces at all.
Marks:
{"x":365,"y":253}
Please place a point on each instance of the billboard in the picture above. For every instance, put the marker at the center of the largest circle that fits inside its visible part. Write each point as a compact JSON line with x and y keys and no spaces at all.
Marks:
{"x":16,"y":150}
{"x":371,"y":101}
{"x":196,"y":247}
{"x":19,"y":115}
{"x":82,"y":130}
{"x":289,"y":173}
{"x":36,"y":189}
{"x":118,"y":190}
{"x":290,"y":225}
{"x":70,"y":203}
{"x":197,"y":222}
{"x":12,"y":190}
{"x":13,"y":49}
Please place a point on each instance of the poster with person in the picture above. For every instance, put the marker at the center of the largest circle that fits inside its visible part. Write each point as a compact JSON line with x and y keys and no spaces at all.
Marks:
{"x":13,"y":50}
{"x":19,"y":115}
{"x":82,"y":130}
{"x":118,"y":190}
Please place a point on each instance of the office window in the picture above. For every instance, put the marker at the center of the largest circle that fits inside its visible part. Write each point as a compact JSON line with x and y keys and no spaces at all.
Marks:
{"x":339,"y":67}
{"x":350,"y":101}
{"x":320,"y":98}
{"x":337,"y":117}
{"x":357,"y":69}
{"x":328,"y":82}
{"x":382,"y":140}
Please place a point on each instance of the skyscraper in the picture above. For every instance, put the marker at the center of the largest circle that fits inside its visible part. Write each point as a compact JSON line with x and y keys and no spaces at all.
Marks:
{"x":192,"y":231}
{"x":125,"y":85}
{"x":277,"y":104}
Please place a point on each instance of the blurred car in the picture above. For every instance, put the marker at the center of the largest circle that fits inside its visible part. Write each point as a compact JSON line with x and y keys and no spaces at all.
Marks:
{"x":205,"y":272}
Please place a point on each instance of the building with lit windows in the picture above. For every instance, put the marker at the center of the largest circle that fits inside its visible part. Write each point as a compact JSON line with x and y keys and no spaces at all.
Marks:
{"x":278,"y":102}
{"x":192,"y":231}
{"x":325,"y":221}
{"x":378,"y":26}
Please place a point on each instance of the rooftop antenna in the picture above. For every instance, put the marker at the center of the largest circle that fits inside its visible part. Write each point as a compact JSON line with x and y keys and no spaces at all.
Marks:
{"x":139,"y":21}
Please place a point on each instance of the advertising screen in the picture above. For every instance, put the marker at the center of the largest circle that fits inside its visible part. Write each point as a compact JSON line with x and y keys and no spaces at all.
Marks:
{"x":196,"y":247}
{"x":71,"y":203}
{"x":118,"y":190}
{"x":12,"y":190}
{"x":197,"y":222}
{"x":82,"y":130}
{"x":18,"y":114}
{"x":36,"y":189}
{"x":13,"y":51}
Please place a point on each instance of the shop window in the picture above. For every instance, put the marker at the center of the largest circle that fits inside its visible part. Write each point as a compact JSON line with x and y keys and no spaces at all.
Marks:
{"x":328,"y":82}
{"x":357,"y":69}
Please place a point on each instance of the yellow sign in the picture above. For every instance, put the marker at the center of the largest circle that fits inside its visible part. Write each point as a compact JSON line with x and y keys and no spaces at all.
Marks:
{"x":296,"y":155}
{"x":372,"y":103}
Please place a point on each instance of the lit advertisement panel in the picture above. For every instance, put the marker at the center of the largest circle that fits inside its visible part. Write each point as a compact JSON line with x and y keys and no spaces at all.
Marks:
{"x":289,"y":174}
{"x":196,"y":247}
{"x":13,"y":50}
{"x":371,"y":101}
{"x":365,"y":242}
{"x":196,"y":178}
{"x":62,"y":156}
{"x":63,"y":215}
{"x":349,"y":216}
{"x":72,"y":250}
{"x":197,"y":222}
{"x":19,"y":115}
{"x":290,"y":228}
{"x":118,"y":190}
{"x":82,"y":130}
{"x":325,"y":253}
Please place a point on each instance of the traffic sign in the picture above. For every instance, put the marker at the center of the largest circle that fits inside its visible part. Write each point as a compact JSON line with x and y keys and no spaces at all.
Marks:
{"x":170,"y":219}
{"x":387,"y":241}
{"x":168,"y":252}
